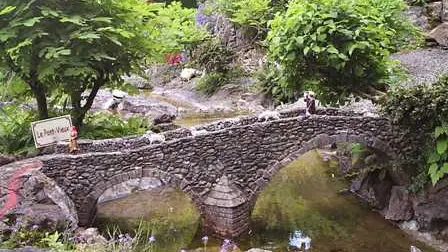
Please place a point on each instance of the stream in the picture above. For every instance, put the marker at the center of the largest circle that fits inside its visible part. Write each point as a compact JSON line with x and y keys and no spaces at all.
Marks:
{"x":301,"y":204}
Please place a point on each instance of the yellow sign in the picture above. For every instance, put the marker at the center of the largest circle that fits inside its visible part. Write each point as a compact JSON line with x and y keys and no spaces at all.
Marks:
{"x":50,"y":131}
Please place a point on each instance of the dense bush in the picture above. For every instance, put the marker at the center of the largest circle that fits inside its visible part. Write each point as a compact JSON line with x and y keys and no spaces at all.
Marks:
{"x":423,"y":111}
{"x":212,"y":56}
{"x":15,"y":130}
{"x":335,"y":47}
{"x":251,"y":14}
{"x":106,"y":125}
{"x":211,"y":82}
{"x":173,"y":29}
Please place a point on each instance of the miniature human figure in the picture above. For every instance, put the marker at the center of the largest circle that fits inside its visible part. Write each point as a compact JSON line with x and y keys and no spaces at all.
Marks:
{"x":73,"y":139}
{"x":310,"y":103}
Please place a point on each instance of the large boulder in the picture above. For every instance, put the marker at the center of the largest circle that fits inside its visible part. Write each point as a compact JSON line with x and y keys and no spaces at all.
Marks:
{"x":163,"y":118}
{"x":42,"y":205}
{"x":400,"y":205}
{"x":431,"y":211}
{"x":43,"y":217}
{"x":440,"y":35}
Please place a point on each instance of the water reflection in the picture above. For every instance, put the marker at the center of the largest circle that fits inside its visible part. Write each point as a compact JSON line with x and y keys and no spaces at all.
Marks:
{"x":300,"y":205}
{"x":298,"y":239}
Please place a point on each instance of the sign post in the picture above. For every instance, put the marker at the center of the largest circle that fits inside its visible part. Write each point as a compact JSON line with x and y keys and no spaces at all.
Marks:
{"x":50,"y":131}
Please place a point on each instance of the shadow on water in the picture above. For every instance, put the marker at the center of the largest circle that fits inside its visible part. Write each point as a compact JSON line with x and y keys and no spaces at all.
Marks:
{"x":301,"y":197}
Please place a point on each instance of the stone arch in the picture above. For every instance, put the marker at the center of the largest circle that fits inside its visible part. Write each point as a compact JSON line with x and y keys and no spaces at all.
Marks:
{"x":87,"y":209}
{"x":320,"y":141}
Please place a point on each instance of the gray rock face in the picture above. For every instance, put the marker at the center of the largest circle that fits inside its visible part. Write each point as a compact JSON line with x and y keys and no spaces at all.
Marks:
{"x":42,"y":217}
{"x":6,"y":159}
{"x":440,"y":34}
{"x":425,"y":66}
{"x":139,"y":82}
{"x":163,"y":118}
{"x":400,"y":205}
{"x":43,"y":206}
{"x":434,"y":11}
{"x":417,"y":14}
{"x":431,"y":212}
{"x":445,"y":10}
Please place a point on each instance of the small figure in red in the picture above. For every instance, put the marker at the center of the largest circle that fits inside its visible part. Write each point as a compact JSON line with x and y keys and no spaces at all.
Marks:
{"x":73,"y":139}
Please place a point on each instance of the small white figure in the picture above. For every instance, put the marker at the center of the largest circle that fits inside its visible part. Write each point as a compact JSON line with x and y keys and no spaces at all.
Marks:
{"x":266,"y":115}
{"x":154,"y":138}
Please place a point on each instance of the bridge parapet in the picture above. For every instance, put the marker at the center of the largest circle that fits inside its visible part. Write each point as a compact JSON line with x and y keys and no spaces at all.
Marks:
{"x":136,"y":142}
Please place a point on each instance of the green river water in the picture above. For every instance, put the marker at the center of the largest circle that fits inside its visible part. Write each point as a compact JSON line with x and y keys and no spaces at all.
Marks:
{"x":301,"y":197}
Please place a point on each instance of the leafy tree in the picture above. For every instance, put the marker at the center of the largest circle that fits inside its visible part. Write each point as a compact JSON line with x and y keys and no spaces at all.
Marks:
{"x":72,"y":46}
{"x":335,"y":47}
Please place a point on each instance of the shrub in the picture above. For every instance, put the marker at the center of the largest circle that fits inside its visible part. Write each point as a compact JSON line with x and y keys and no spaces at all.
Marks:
{"x":335,"y":47}
{"x":105,"y":125}
{"x":174,"y":29}
{"x":211,"y":82}
{"x":212,"y":56}
{"x":15,"y":130}
{"x":423,"y":111}
{"x":251,"y":14}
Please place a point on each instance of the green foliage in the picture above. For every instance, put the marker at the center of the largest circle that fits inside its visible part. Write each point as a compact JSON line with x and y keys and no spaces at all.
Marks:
{"x":15,"y":130}
{"x":35,"y":238}
{"x":438,"y":159}
{"x":61,"y":49}
{"x":81,"y":46}
{"x":173,"y":29}
{"x":335,"y":48}
{"x":422,"y":107}
{"x":106,"y":125}
{"x":423,"y":111}
{"x":212,"y":56}
{"x":211,"y":82}
{"x":12,"y":88}
{"x":251,"y":14}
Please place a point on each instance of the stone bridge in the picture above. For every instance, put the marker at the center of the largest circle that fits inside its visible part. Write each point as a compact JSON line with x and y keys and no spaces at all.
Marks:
{"x":222,"y":166}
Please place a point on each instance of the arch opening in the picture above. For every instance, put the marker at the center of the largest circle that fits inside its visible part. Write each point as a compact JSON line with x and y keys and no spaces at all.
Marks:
{"x":313,"y":194}
{"x":148,"y":207}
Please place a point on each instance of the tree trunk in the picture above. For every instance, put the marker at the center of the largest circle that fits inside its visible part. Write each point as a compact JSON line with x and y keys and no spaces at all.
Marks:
{"x":78,"y":115}
{"x":41,"y":100}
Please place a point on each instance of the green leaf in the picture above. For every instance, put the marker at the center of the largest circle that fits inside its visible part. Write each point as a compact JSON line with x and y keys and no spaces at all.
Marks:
{"x":441,"y":145}
{"x":306,"y":50}
{"x":78,"y":20}
{"x":439,"y":131}
{"x":89,"y":36}
{"x":30,"y":22}
{"x":7,"y":9}
{"x":332,"y":50}
{"x":433,"y":158}
{"x":444,"y":169}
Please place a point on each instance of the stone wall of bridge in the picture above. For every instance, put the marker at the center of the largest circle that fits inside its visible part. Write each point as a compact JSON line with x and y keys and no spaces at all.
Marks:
{"x":246,"y":153}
